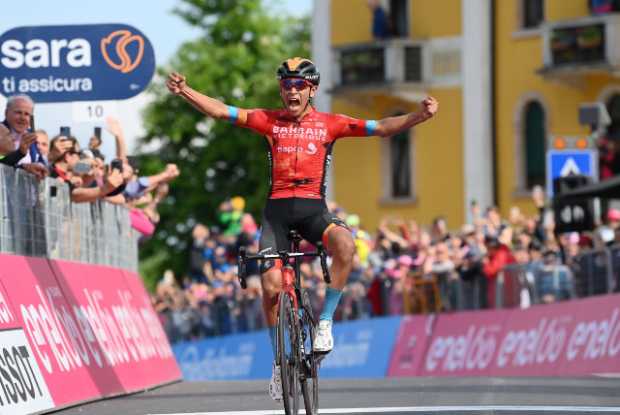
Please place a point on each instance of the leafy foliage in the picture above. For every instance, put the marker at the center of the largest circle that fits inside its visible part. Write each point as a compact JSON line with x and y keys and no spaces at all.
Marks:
{"x":235,"y":61}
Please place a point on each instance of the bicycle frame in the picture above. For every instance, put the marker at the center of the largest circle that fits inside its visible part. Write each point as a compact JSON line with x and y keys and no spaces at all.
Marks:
{"x":302,"y":366}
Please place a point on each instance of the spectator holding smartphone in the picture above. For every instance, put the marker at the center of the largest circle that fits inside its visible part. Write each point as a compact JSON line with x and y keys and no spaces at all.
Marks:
{"x":94,"y":144}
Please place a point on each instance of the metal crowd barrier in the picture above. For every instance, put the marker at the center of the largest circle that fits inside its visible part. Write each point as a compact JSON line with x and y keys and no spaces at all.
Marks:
{"x":38,"y":219}
{"x":594,"y":272}
{"x":514,"y":287}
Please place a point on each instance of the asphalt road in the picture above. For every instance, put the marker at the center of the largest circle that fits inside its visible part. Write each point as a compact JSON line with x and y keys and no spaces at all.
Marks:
{"x":386,"y":396}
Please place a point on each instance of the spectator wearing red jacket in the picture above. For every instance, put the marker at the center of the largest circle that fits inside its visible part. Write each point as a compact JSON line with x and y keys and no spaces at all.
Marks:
{"x":498,"y":256}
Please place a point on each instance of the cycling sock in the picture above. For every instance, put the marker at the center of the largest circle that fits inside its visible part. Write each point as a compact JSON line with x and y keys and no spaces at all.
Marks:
{"x":332,"y":298}
{"x":272,"y":337}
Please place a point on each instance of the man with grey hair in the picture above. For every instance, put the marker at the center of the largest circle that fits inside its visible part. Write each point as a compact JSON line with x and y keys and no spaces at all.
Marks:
{"x":16,"y":139}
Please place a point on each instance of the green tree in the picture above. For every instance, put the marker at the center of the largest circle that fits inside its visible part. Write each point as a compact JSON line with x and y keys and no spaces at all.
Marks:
{"x":235,"y":60}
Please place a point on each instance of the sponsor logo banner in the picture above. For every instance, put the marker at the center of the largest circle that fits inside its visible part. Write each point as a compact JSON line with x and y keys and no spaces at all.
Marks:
{"x":76,"y":62}
{"x":127,"y":332}
{"x":464,"y":344}
{"x":61,"y":337}
{"x":580,"y":337}
{"x":411,"y":343}
{"x":93,"y":332}
{"x":22,"y":388}
{"x":163,"y":366}
{"x":242,"y":356}
{"x":572,"y":338}
{"x":8,"y":317}
{"x":361,"y":348}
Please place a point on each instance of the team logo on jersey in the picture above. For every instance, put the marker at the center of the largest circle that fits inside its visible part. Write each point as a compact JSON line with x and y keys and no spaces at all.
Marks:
{"x":311,"y":149}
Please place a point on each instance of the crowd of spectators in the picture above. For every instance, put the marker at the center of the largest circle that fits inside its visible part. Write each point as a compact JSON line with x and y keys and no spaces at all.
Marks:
{"x":400,"y":268}
{"x":84,"y":169}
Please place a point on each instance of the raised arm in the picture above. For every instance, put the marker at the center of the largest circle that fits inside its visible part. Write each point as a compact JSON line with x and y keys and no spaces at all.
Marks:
{"x":114,"y":127}
{"x":177,"y":84}
{"x":390,"y":126}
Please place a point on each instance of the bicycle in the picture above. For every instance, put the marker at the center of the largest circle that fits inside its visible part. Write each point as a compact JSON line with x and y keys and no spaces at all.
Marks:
{"x":296,"y":326}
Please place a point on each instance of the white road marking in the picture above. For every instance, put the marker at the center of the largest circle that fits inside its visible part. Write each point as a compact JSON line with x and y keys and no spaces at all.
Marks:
{"x":431,"y":409}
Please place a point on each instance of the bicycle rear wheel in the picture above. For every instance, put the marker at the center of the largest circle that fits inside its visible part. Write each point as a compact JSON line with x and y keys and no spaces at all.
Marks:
{"x":287,"y":351}
{"x":310,"y":367}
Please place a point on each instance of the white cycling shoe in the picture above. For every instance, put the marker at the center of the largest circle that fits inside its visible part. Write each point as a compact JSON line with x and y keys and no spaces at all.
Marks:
{"x":324,"y":341}
{"x":275,"y":384}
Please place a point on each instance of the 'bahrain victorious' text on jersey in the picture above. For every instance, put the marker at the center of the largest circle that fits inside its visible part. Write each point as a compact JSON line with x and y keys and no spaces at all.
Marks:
{"x":300,"y":151}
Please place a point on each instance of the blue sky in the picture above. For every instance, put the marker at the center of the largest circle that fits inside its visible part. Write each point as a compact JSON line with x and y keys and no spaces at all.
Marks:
{"x":153,"y":17}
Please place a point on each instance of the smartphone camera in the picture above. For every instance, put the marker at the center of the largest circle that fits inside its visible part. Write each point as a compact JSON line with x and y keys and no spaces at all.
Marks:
{"x":117,"y":164}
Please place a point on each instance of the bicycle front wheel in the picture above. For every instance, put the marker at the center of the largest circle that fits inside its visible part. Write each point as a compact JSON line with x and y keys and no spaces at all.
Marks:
{"x":287,"y":330}
{"x":310,"y":377}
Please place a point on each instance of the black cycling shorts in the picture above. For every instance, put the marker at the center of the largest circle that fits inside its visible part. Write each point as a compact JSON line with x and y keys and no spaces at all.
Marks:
{"x":309,"y":217}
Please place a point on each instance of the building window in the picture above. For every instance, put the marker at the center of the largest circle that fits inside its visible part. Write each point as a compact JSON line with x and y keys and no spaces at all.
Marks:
{"x":532,"y":13}
{"x":535,"y":140}
{"x":399,"y":18}
{"x":400,"y":166}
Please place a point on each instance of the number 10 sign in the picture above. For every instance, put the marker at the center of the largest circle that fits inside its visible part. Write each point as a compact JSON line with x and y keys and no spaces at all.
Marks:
{"x":93,"y":111}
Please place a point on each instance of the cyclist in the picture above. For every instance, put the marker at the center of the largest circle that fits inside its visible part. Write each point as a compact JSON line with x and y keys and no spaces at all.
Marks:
{"x":300,"y":143}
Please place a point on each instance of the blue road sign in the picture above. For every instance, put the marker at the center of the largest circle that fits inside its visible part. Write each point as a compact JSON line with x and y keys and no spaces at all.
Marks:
{"x":562,"y":163}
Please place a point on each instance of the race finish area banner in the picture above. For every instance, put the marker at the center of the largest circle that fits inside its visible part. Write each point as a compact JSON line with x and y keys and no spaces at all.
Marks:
{"x":75,"y":63}
{"x":73,"y":332}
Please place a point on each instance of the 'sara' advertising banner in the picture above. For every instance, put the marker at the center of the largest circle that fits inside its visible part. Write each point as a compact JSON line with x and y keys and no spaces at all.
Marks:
{"x":75,"y":63}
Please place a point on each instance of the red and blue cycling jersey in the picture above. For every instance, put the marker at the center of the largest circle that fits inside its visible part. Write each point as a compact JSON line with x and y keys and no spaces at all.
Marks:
{"x":300,"y":151}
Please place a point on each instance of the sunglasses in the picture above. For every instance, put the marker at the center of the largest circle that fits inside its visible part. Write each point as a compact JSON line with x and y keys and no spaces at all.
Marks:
{"x":298,"y":84}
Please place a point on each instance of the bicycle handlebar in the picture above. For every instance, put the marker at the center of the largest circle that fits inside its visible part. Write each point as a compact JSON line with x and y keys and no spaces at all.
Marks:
{"x":242,"y":258}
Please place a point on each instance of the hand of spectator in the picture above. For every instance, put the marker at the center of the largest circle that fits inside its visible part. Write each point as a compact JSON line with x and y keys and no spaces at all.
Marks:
{"x":538,"y":196}
{"x":76,"y":181}
{"x":26,"y":141}
{"x":172,"y":171}
{"x":113,"y":180}
{"x":37,"y":169}
{"x":113,"y":126}
{"x":176,"y":83}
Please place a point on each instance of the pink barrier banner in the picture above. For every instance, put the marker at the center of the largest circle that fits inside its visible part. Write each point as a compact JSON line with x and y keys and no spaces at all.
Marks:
{"x":580,"y":337}
{"x":64,"y":345}
{"x":571,"y":338}
{"x":464,"y":344}
{"x":8,"y":316}
{"x":411,"y":344}
{"x":166,"y":368}
{"x":22,"y":387}
{"x":134,"y":346}
{"x":85,"y":331}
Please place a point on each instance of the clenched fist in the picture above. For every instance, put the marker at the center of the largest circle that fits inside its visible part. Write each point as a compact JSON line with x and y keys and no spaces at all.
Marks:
{"x":430,"y":106}
{"x":176,"y":83}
